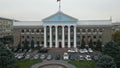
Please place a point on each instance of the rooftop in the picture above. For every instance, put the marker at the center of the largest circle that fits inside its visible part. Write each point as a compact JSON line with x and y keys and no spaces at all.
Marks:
{"x":1,"y":18}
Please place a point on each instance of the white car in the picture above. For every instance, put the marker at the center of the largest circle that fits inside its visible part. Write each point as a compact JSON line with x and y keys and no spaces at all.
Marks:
{"x":76,"y":50}
{"x":71,"y":51}
{"x":19,"y":56}
{"x":88,"y":57}
{"x":81,"y":57}
{"x":85,"y":50}
{"x":81,"y":51}
{"x":90,"y":50}
{"x":49,"y":57}
{"x":65,"y":56}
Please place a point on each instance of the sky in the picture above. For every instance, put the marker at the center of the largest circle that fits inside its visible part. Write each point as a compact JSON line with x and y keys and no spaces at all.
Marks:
{"x":36,"y":10}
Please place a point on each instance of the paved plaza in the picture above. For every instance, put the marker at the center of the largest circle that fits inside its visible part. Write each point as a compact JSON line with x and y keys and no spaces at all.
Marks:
{"x":53,"y":64}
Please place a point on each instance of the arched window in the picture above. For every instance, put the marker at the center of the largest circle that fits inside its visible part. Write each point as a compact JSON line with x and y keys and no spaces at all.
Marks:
{"x":100,"y":36}
{"x":32,"y":30}
{"x":28,"y":37}
{"x":100,"y":30}
{"x":83,"y":30}
{"x":94,"y":30}
{"x":89,"y":30}
{"x":38,"y":43}
{"x":27,"y":30}
{"x":22,"y":31}
{"x":66,"y":29}
{"x":83,"y":36}
{"x":37,"y":30}
{"x":94,"y":36}
{"x":72,"y":28}
{"x":22,"y":36}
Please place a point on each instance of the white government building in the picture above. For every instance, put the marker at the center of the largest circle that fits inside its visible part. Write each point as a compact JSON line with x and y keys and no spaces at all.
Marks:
{"x":62,"y":31}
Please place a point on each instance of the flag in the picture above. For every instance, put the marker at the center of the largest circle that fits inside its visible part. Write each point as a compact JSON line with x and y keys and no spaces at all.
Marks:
{"x":58,"y":0}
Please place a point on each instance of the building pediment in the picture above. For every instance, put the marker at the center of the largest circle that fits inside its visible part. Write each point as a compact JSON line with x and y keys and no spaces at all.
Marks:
{"x":60,"y":17}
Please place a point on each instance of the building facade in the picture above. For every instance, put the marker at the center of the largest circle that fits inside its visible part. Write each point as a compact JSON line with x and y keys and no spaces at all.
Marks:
{"x":6,"y":27}
{"x":63,"y":31}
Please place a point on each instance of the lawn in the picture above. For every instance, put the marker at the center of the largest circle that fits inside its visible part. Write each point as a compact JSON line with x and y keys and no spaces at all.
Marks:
{"x":26,"y":63}
{"x":83,"y":64}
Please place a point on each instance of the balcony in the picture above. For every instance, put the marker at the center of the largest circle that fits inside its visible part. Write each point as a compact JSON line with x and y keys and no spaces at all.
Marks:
{"x":100,"y":33}
{"x":94,"y":33}
{"x":89,"y":33}
{"x":22,"y":33}
{"x":32,"y":33}
{"x":37,"y":33}
{"x":83,"y":33}
{"x":27,"y":33}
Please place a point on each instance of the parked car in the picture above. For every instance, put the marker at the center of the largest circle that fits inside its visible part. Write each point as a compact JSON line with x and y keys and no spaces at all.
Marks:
{"x":49,"y":57}
{"x":72,"y":57}
{"x":27,"y":56}
{"x":42,"y":56}
{"x":81,"y":51}
{"x":81,"y":57}
{"x":76,"y":49}
{"x":19,"y":55}
{"x":71,"y":51}
{"x":90,"y":50}
{"x":65,"y":56}
{"x":19,"y":51}
{"x":25,"y":50}
{"x":30,"y":50}
{"x":88,"y":57}
{"x":57,"y":57}
{"x":85,"y":50}
{"x":36,"y":56}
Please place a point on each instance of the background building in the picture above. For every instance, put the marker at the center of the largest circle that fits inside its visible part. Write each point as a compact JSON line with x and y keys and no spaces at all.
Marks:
{"x":6,"y":27}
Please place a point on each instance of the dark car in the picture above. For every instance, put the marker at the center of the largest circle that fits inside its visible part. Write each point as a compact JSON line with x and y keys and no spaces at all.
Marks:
{"x":72,"y":57}
{"x":57,"y":57}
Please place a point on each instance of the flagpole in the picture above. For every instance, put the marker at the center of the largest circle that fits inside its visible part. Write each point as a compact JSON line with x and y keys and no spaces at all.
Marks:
{"x":59,"y":5}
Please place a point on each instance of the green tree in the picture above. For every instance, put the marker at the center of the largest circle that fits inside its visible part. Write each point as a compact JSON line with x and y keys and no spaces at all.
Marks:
{"x":26,"y":45}
{"x":99,"y":45}
{"x":7,"y":59}
{"x":116,"y":37}
{"x":113,"y":50}
{"x":106,"y":62}
{"x":19,"y":46}
{"x":83,"y":44}
{"x":91,"y":44}
{"x":32,"y":44}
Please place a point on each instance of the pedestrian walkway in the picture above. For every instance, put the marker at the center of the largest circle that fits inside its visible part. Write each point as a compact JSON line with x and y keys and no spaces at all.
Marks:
{"x":45,"y":62}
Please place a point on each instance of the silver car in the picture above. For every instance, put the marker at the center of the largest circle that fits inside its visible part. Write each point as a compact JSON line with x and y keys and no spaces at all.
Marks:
{"x":42,"y":56}
{"x":49,"y":57}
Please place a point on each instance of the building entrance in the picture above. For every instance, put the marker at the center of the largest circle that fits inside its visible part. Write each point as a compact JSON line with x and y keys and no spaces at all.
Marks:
{"x":60,"y":45}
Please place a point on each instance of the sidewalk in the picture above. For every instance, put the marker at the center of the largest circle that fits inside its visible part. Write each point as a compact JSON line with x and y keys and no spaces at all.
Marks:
{"x":64,"y":63}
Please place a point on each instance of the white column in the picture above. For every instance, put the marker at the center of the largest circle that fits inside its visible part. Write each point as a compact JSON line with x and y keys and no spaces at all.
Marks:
{"x":68,"y":36}
{"x":56,"y":37}
{"x":45,"y":36}
{"x":50,"y":36}
{"x":63,"y":37}
{"x":74,"y":36}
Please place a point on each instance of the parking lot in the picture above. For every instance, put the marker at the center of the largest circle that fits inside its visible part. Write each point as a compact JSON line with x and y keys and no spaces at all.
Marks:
{"x":58,"y":54}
